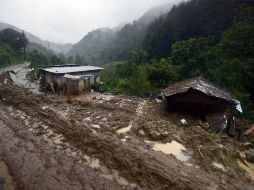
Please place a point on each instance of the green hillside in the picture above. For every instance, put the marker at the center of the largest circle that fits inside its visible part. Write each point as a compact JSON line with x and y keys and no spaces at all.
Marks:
{"x":209,"y":40}
{"x":12,"y":44}
{"x":194,"y":18}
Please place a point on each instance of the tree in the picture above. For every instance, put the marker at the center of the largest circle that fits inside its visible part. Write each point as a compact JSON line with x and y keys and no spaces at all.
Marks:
{"x":138,"y":57}
{"x":15,"y":39}
{"x":195,"y":56}
{"x":70,"y":60}
{"x":238,"y":41}
{"x":162,"y":73}
{"x":37,"y":59}
{"x":57,"y":59}
{"x":79,"y":60}
{"x":11,"y":44}
{"x":191,"y":19}
{"x":5,"y":57}
{"x":237,"y":70}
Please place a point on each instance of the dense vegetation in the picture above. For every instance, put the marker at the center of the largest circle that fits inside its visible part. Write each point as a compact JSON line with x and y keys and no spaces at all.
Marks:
{"x":39,"y":56}
{"x":56,"y":47}
{"x":195,"y":18}
{"x":225,"y":56}
{"x":12,"y":44}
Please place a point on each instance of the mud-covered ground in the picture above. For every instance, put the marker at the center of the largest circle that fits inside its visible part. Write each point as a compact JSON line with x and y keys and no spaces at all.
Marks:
{"x":101,"y":141}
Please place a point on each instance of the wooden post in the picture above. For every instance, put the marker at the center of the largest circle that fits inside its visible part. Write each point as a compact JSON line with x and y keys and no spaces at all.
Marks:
{"x":24,"y":45}
{"x":52,"y":87}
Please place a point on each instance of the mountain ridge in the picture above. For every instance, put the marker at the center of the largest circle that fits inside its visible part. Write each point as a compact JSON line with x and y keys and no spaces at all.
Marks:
{"x":95,"y":49}
{"x":56,"y":47}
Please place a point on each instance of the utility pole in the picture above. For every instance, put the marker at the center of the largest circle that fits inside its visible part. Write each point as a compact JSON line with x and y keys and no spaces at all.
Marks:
{"x":24,"y":43}
{"x":48,"y":54}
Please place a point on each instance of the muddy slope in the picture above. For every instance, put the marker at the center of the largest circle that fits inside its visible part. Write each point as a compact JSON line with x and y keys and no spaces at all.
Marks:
{"x":146,"y":168}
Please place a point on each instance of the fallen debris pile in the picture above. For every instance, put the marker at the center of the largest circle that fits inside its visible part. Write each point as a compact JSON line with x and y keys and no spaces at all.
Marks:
{"x":90,"y":126}
{"x":207,"y":102}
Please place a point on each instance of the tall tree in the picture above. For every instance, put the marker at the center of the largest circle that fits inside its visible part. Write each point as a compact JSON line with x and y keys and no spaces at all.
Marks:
{"x":15,"y":39}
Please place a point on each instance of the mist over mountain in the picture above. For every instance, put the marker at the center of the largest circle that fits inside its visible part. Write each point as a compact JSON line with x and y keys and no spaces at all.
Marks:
{"x":112,"y":44}
{"x":93,"y":44}
{"x":56,"y":47}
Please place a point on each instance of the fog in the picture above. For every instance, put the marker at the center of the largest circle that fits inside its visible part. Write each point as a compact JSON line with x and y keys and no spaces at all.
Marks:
{"x":69,"y":20}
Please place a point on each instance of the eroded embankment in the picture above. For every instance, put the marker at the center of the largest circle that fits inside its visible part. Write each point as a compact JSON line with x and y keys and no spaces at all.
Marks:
{"x":35,"y":164}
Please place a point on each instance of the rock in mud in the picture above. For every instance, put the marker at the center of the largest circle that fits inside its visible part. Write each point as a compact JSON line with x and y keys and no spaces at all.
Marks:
{"x":250,"y":156}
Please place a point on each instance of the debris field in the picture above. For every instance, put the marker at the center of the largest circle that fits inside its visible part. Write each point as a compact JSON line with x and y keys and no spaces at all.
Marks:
{"x":103,"y":141}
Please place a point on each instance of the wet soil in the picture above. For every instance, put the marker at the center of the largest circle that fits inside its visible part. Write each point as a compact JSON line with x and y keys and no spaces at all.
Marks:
{"x":5,"y":177}
{"x":55,"y":142}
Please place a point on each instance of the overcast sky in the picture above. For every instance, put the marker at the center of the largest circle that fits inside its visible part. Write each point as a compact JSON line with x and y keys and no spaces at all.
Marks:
{"x":69,"y":20}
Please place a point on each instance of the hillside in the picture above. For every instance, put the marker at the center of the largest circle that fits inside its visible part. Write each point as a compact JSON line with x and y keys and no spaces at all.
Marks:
{"x":11,"y":47}
{"x":93,"y":44}
{"x":213,"y":39}
{"x":57,"y":47}
{"x":106,"y":45}
{"x":171,"y":109}
{"x":212,"y":17}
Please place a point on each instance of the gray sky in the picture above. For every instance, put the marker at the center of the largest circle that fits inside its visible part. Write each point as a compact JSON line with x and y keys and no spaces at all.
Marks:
{"x":69,"y":20}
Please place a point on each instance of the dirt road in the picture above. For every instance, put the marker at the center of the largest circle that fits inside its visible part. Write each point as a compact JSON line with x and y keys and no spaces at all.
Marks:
{"x":95,"y":141}
{"x":13,"y":67}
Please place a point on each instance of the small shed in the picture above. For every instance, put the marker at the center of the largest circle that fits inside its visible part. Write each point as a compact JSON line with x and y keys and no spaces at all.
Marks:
{"x":200,"y":97}
{"x":71,"y":78}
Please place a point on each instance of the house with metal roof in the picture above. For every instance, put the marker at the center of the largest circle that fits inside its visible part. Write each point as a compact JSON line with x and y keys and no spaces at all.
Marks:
{"x":199,"y":96}
{"x":69,"y":79}
{"x":207,"y":102}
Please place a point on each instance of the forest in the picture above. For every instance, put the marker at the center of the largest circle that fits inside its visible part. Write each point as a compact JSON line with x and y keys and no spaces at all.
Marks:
{"x":215,"y":41}
{"x":12,"y":44}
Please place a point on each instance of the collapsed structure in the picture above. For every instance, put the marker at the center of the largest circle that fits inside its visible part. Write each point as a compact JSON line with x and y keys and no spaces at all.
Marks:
{"x":203,"y":99}
{"x":69,"y":79}
{"x":200,"y":96}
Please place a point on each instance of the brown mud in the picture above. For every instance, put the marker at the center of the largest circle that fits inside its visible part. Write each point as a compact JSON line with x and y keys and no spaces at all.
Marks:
{"x":53,"y":142}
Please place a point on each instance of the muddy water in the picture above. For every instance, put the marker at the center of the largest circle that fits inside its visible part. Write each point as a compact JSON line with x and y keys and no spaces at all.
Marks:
{"x":8,"y":182}
{"x":126,"y":129}
{"x":219,"y":166}
{"x":139,"y":111}
{"x":119,"y":179}
{"x":174,"y":148}
{"x":94,"y":163}
{"x":249,"y":168}
{"x":96,"y":126}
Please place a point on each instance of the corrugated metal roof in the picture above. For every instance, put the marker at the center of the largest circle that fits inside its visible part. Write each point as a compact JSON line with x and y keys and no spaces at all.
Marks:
{"x":65,"y":65}
{"x":204,"y":86}
{"x":65,"y":70}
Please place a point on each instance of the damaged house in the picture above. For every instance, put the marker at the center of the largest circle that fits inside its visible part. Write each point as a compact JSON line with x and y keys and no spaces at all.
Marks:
{"x":203,"y":99}
{"x":69,"y":79}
